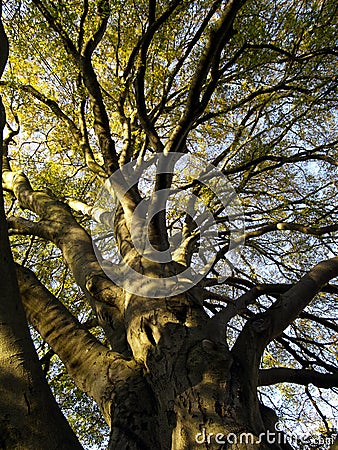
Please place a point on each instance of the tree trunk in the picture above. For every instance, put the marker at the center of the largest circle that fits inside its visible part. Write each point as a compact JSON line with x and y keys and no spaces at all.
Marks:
{"x":29,"y":416}
{"x":194,"y":408}
{"x":202,"y":396}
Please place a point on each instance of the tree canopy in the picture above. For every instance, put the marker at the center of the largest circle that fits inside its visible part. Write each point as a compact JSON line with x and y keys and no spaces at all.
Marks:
{"x":98,"y":88}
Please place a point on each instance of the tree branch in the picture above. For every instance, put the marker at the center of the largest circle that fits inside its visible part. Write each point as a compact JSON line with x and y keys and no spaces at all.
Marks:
{"x":59,"y":226}
{"x":263,"y":328}
{"x":82,"y":24}
{"x":302,"y":156}
{"x":77,"y":348}
{"x":95,"y":39}
{"x":291,"y":304}
{"x":291,"y":227}
{"x":322,"y":320}
{"x":84,"y":63}
{"x":4,"y":45}
{"x":80,"y":135}
{"x":24,"y":393}
{"x":291,"y":56}
{"x":57,"y":27}
{"x":85,"y":358}
{"x":142,"y":48}
{"x":238,"y":306}
{"x":299,"y":376}
{"x":159,"y":108}
{"x":208,"y":64}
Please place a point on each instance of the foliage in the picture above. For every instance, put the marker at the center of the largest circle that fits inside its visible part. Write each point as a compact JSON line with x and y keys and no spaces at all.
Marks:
{"x":267,"y":118}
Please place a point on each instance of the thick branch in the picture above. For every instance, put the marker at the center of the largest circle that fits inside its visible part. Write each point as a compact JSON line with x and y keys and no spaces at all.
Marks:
{"x":59,"y":226}
{"x":208,"y":64}
{"x":238,"y":306}
{"x":29,"y":415}
{"x":57,"y":27}
{"x":159,"y":109}
{"x":291,"y":304}
{"x":95,"y":39}
{"x":4,"y":46}
{"x":217,"y":324}
{"x":183,"y":253}
{"x":84,"y":63}
{"x":101,"y":119}
{"x":291,"y":227}
{"x":82,"y":24}
{"x":298,"y":376}
{"x":285,"y":89}
{"x":262,"y":328}
{"x":78,"y":349}
{"x":79,"y":134}
{"x":114,"y":221}
{"x":306,"y":155}
{"x":322,"y":320}
{"x":142,"y":47}
{"x":84,"y":142}
{"x":94,"y":368}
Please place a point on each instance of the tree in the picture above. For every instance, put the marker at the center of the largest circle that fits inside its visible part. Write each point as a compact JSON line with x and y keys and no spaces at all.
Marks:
{"x":112,"y":221}
{"x":29,"y":412}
